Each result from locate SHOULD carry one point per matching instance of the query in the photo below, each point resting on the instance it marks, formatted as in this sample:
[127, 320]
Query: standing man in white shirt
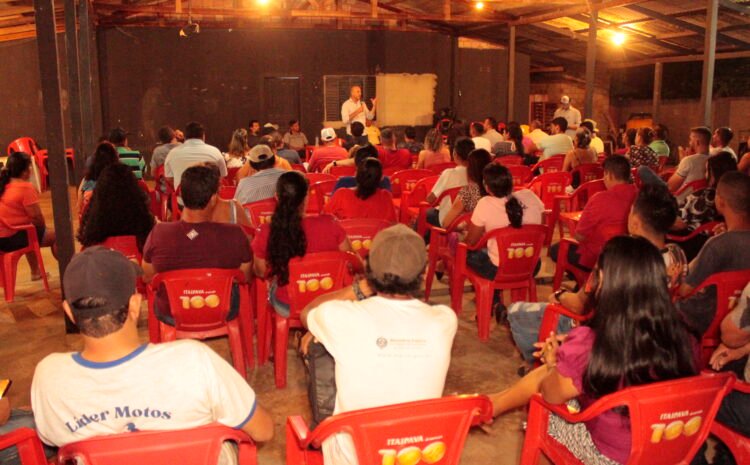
[355, 109]
[388, 346]
[193, 151]
[571, 114]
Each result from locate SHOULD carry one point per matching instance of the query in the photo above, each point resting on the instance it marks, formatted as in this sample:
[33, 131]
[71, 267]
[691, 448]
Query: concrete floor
[32, 327]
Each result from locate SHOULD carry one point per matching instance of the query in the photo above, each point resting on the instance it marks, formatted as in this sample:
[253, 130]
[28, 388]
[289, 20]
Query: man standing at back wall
[355, 109]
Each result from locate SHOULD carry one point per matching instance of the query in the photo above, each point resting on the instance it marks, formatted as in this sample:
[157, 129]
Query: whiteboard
[405, 99]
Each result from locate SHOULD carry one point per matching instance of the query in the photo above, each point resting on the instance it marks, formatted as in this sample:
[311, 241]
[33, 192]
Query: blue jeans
[282, 308]
[525, 318]
[19, 419]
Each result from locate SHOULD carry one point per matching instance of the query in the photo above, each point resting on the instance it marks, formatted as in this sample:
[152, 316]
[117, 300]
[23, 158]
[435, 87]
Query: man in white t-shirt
[558, 142]
[490, 131]
[692, 165]
[537, 133]
[116, 384]
[193, 151]
[571, 114]
[355, 109]
[720, 141]
[450, 178]
[388, 346]
[476, 130]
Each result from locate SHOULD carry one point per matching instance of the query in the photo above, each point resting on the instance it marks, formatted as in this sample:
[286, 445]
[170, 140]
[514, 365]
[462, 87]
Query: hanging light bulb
[263, 2]
[618, 38]
[479, 6]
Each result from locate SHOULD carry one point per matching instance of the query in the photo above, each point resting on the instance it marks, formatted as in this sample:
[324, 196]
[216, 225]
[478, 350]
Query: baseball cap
[271, 125]
[118, 135]
[100, 272]
[593, 123]
[398, 251]
[327, 134]
[565, 100]
[260, 153]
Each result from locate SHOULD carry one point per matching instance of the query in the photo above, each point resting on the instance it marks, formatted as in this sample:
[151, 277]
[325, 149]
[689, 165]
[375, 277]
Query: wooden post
[374, 8]
[85, 77]
[658, 72]
[74, 87]
[454, 71]
[447, 10]
[49, 70]
[591, 65]
[709, 59]
[511, 74]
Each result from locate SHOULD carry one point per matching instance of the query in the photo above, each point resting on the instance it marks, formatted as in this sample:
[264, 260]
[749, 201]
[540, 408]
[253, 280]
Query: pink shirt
[490, 214]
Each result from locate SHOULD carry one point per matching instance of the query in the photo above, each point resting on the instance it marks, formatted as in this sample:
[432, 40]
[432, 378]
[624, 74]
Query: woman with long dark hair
[368, 199]
[118, 208]
[641, 154]
[635, 337]
[104, 155]
[469, 195]
[291, 234]
[19, 205]
[236, 155]
[581, 154]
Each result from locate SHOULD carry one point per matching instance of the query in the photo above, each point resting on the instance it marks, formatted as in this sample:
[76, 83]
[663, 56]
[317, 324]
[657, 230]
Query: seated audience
[236, 155]
[558, 142]
[228, 211]
[476, 131]
[411, 144]
[724, 252]
[383, 308]
[700, 207]
[692, 165]
[105, 155]
[253, 133]
[357, 137]
[194, 150]
[372, 132]
[389, 155]
[367, 200]
[360, 155]
[295, 139]
[581, 154]
[291, 233]
[469, 195]
[326, 153]
[537, 132]
[597, 144]
[19, 205]
[609, 352]
[641, 154]
[167, 141]
[283, 153]
[628, 140]
[271, 140]
[450, 178]
[433, 152]
[659, 144]
[517, 144]
[720, 141]
[195, 241]
[610, 207]
[106, 387]
[262, 184]
[132, 158]
[119, 207]
[490, 131]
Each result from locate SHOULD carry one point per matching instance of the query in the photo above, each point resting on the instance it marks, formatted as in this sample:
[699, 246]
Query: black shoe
[500, 312]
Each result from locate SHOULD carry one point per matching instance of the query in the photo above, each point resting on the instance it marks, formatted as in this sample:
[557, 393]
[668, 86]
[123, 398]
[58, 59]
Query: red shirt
[345, 205]
[324, 155]
[323, 234]
[398, 158]
[610, 207]
[16, 197]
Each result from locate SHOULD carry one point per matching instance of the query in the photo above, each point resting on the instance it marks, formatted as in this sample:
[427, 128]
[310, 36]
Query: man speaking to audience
[355, 109]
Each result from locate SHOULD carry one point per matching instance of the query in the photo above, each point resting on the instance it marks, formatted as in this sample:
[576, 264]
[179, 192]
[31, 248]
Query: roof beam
[742, 8]
[568, 11]
[643, 37]
[678, 59]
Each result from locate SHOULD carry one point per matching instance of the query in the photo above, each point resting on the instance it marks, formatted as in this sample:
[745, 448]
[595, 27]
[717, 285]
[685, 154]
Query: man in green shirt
[659, 144]
[132, 158]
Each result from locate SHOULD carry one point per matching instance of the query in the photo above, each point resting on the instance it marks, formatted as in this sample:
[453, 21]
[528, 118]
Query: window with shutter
[336, 91]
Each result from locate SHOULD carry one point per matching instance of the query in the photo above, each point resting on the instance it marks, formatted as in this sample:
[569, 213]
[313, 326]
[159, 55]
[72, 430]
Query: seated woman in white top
[236, 156]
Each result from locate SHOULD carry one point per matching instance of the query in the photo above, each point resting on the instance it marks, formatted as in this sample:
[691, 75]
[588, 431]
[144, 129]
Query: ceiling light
[618, 38]
[263, 2]
[479, 6]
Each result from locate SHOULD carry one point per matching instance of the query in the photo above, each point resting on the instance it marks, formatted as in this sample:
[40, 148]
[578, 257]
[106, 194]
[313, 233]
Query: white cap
[565, 100]
[327, 134]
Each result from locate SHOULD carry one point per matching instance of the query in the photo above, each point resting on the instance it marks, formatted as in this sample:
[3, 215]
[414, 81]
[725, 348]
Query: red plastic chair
[174, 195]
[340, 171]
[200, 300]
[440, 167]
[309, 276]
[606, 232]
[405, 180]
[738, 444]
[299, 167]
[319, 196]
[547, 187]
[231, 177]
[704, 228]
[588, 172]
[227, 192]
[29, 447]
[312, 178]
[159, 180]
[575, 201]
[409, 204]
[691, 187]
[361, 231]
[521, 175]
[29, 146]
[551, 318]
[729, 286]
[309, 149]
[440, 251]
[153, 201]
[666, 174]
[424, 206]
[669, 420]
[260, 212]
[662, 163]
[195, 446]
[509, 160]
[437, 428]
[10, 260]
[552, 164]
[519, 251]
[126, 245]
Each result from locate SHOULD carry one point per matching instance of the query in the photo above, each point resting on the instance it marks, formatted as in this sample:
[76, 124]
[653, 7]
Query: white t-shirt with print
[450, 178]
[555, 144]
[387, 352]
[490, 214]
[481, 142]
[174, 385]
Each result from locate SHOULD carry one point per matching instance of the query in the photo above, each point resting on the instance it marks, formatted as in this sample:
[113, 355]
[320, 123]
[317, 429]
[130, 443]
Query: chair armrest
[600, 406]
[17, 436]
[300, 430]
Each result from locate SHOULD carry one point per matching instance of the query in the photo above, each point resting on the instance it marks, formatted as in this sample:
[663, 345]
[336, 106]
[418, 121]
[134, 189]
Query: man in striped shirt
[262, 184]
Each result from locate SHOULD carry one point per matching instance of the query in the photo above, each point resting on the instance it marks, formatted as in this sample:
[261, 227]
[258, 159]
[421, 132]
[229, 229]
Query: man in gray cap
[571, 114]
[117, 384]
[262, 184]
[389, 347]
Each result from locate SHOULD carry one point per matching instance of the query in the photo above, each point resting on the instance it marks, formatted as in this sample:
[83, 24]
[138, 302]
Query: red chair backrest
[361, 231]
[320, 195]
[518, 250]
[584, 192]
[200, 299]
[434, 430]
[440, 167]
[552, 164]
[227, 192]
[548, 185]
[509, 160]
[588, 172]
[666, 174]
[692, 187]
[23, 144]
[312, 178]
[520, 173]
[339, 171]
[405, 180]
[126, 245]
[231, 177]
[300, 168]
[260, 212]
[316, 274]
[195, 446]
[159, 176]
[419, 192]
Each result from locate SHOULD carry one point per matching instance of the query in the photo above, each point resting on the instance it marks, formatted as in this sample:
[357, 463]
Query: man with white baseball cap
[571, 114]
[327, 153]
[389, 347]
[262, 184]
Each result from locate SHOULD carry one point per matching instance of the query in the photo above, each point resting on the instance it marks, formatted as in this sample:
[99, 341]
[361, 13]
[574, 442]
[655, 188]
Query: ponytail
[286, 238]
[514, 210]
[17, 163]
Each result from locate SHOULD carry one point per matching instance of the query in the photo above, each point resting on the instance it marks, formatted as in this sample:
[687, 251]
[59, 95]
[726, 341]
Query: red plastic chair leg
[39, 259]
[484, 295]
[10, 264]
[236, 346]
[431, 266]
[281, 340]
[245, 318]
[260, 298]
[457, 291]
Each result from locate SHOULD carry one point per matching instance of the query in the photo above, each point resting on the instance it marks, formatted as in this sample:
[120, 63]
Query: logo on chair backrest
[676, 428]
[313, 282]
[413, 454]
[359, 242]
[520, 251]
[410, 184]
[590, 177]
[198, 298]
[555, 188]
